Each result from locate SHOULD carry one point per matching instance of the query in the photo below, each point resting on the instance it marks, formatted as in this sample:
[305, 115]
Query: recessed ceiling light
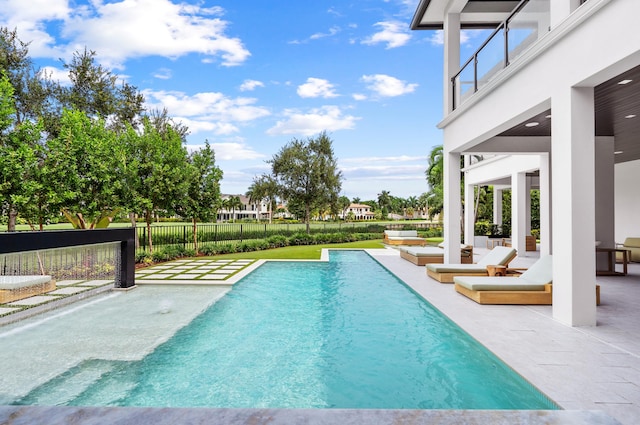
[630, 116]
[548, 116]
[618, 152]
[623, 82]
[532, 124]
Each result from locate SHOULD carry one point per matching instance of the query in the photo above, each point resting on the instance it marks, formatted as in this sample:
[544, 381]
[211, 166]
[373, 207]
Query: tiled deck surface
[581, 368]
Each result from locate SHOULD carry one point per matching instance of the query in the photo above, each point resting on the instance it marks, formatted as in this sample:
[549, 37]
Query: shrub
[482, 228]
[301, 239]
[277, 241]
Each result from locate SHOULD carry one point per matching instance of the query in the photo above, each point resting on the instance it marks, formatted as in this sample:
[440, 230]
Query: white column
[469, 213]
[451, 33]
[497, 205]
[545, 205]
[452, 206]
[605, 196]
[573, 171]
[518, 215]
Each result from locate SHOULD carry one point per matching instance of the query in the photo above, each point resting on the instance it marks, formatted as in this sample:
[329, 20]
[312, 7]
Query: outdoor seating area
[421, 256]
[14, 288]
[444, 273]
[403, 237]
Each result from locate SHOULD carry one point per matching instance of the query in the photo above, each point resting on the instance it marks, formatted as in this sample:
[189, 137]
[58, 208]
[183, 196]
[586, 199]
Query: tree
[434, 173]
[264, 187]
[203, 191]
[156, 170]
[307, 174]
[84, 149]
[18, 158]
[384, 201]
[343, 204]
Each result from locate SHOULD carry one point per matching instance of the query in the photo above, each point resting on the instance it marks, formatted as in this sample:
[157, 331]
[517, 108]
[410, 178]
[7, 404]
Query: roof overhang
[474, 14]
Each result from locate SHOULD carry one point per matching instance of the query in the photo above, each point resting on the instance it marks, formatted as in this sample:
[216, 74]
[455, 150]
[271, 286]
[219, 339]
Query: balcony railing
[524, 26]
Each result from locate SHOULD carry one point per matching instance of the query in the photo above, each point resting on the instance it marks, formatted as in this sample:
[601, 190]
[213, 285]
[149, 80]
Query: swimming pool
[343, 334]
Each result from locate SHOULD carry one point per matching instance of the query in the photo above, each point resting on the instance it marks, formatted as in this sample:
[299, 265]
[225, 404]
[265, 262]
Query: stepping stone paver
[38, 299]
[68, 282]
[69, 290]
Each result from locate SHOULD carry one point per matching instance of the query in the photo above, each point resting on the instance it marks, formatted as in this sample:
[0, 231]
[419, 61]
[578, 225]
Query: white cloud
[236, 151]
[437, 38]
[328, 118]
[125, 29]
[394, 34]
[385, 159]
[359, 96]
[332, 31]
[163, 74]
[207, 111]
[57, 74]
[316, 87]
[388, 86]
[250, 85]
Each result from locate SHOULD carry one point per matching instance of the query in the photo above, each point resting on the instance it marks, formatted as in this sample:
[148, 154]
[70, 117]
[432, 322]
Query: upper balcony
[524, 25]
[515, 25]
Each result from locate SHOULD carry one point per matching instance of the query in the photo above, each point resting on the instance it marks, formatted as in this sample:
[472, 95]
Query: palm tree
[384, 200]
[264, 187]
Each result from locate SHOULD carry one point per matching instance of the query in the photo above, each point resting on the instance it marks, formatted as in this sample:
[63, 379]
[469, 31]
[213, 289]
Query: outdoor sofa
[633, 246]
[421, 256]
[403, 237]
[13, 288]
[444, 273]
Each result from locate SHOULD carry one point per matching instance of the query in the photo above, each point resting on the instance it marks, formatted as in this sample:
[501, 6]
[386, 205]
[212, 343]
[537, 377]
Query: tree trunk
[307, 218]
[149, 218]
[195, 236]
[11, 225]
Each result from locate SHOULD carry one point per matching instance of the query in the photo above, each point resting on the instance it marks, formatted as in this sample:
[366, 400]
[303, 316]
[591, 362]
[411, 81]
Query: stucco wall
[627, 201]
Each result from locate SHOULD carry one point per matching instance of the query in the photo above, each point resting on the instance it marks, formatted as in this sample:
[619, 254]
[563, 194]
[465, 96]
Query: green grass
[307, 252]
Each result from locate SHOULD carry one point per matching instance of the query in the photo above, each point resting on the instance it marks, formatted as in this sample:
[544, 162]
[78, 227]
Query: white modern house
[247, 210]
[554, 96]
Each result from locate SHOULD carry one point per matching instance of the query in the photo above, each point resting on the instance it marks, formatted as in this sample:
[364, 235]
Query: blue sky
[249, 76]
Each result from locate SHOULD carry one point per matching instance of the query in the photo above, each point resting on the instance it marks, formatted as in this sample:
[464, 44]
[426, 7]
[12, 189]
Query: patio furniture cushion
[17, 282]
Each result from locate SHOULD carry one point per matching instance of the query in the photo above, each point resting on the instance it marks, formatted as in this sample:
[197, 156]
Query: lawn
[306, 252]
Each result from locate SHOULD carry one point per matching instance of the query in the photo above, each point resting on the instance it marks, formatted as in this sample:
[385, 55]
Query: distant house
[248, 210]
[360, 212]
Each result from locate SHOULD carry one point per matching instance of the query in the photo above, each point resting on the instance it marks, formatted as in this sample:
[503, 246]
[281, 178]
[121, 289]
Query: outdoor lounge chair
[13, 288]
[531, 287]
[444, 273]
[421, 256]
[403, 237]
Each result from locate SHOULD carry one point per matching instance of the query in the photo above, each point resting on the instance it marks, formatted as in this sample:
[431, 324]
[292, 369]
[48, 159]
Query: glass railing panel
[527, 26]
[464, 83]
[491, 58]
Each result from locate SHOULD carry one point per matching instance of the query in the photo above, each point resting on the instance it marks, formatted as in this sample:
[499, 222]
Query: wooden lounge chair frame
[514, 297]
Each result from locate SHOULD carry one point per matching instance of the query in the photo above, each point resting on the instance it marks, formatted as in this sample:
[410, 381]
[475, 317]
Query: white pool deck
[581, 368]
[593, 372]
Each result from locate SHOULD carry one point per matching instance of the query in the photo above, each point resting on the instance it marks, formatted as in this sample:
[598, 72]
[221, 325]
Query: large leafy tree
[18, 159]
[156, 170]
[203, 190]
[307, 174]
[384, 202]
[84, 149]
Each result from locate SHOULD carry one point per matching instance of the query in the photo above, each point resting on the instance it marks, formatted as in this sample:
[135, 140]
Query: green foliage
[307, 174]
[482, 228]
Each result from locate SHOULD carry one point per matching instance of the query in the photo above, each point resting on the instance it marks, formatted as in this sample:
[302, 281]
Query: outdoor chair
[444, 273]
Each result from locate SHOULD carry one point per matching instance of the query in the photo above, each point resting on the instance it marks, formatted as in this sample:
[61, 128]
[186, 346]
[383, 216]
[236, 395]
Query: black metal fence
[182, 235]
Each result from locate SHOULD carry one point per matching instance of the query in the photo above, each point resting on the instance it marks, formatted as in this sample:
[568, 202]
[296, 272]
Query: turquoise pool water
[343, 334]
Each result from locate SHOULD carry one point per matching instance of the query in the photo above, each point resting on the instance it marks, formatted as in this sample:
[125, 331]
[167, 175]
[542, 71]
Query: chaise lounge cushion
[17, 282]
[534, 279]
[500, 256]
[633, 245]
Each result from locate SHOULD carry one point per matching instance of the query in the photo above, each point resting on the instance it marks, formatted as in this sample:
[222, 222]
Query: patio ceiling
[475, 14]
[617, 110]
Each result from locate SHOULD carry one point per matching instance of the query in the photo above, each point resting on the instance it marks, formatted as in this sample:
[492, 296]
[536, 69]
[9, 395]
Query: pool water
[342, 334]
